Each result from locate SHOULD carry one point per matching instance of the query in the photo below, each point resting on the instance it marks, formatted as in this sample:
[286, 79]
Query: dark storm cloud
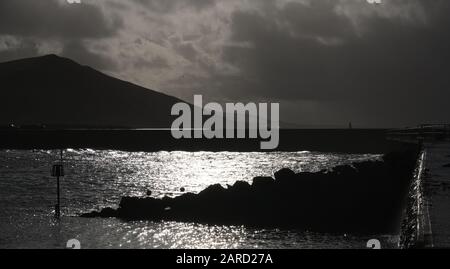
[155, 63]
[57, 26]
[330, 60]
[74, 49]
[165, 6]
[77, 50]
[26, 48]
[50, 18]
[383, 67]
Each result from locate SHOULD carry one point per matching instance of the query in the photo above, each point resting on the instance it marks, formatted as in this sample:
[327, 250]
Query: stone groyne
[364, 197]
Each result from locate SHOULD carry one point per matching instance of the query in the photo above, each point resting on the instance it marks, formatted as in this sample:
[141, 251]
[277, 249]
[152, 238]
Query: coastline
[324, 140]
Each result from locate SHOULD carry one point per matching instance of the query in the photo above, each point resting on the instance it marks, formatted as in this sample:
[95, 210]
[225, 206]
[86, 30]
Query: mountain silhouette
[56, 91]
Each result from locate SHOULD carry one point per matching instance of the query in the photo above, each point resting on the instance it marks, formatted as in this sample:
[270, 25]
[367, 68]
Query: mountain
[51, 90]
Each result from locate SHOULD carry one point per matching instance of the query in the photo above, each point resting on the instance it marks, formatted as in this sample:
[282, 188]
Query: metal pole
[58, 205]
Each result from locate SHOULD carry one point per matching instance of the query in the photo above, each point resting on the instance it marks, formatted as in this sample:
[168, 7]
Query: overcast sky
[327, 62]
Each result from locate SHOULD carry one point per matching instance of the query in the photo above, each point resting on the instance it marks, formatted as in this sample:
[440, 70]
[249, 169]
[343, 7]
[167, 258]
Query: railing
[421, 132]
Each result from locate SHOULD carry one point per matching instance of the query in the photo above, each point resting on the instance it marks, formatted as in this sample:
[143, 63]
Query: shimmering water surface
[99, 178]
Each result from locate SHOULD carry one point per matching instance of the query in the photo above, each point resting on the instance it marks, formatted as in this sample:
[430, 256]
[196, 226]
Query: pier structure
[427, 218]
[433, 224]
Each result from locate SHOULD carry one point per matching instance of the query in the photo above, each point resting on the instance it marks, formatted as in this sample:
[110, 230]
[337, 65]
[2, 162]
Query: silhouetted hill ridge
[58, 91]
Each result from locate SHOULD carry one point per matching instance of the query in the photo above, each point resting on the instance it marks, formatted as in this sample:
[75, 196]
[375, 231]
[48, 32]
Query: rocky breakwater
[364, 197]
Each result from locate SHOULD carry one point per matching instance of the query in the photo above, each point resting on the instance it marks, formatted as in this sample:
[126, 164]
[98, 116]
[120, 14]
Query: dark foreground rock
[364, 197]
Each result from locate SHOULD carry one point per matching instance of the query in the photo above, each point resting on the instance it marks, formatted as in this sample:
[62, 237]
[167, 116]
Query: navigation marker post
[58, 171]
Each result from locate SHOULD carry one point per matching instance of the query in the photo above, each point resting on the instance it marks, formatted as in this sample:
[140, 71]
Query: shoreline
[370, 141]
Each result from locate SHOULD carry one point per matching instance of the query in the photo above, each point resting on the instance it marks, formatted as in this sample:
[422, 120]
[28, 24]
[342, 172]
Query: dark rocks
[263, 183]
[284, 174]
[104, 213]
[240, 187]
[344, 169]
[212, 191]
[362, 197]
[132, 208]
[109, 212]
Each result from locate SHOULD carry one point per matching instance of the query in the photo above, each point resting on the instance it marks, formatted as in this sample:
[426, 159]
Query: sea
[95, 179]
